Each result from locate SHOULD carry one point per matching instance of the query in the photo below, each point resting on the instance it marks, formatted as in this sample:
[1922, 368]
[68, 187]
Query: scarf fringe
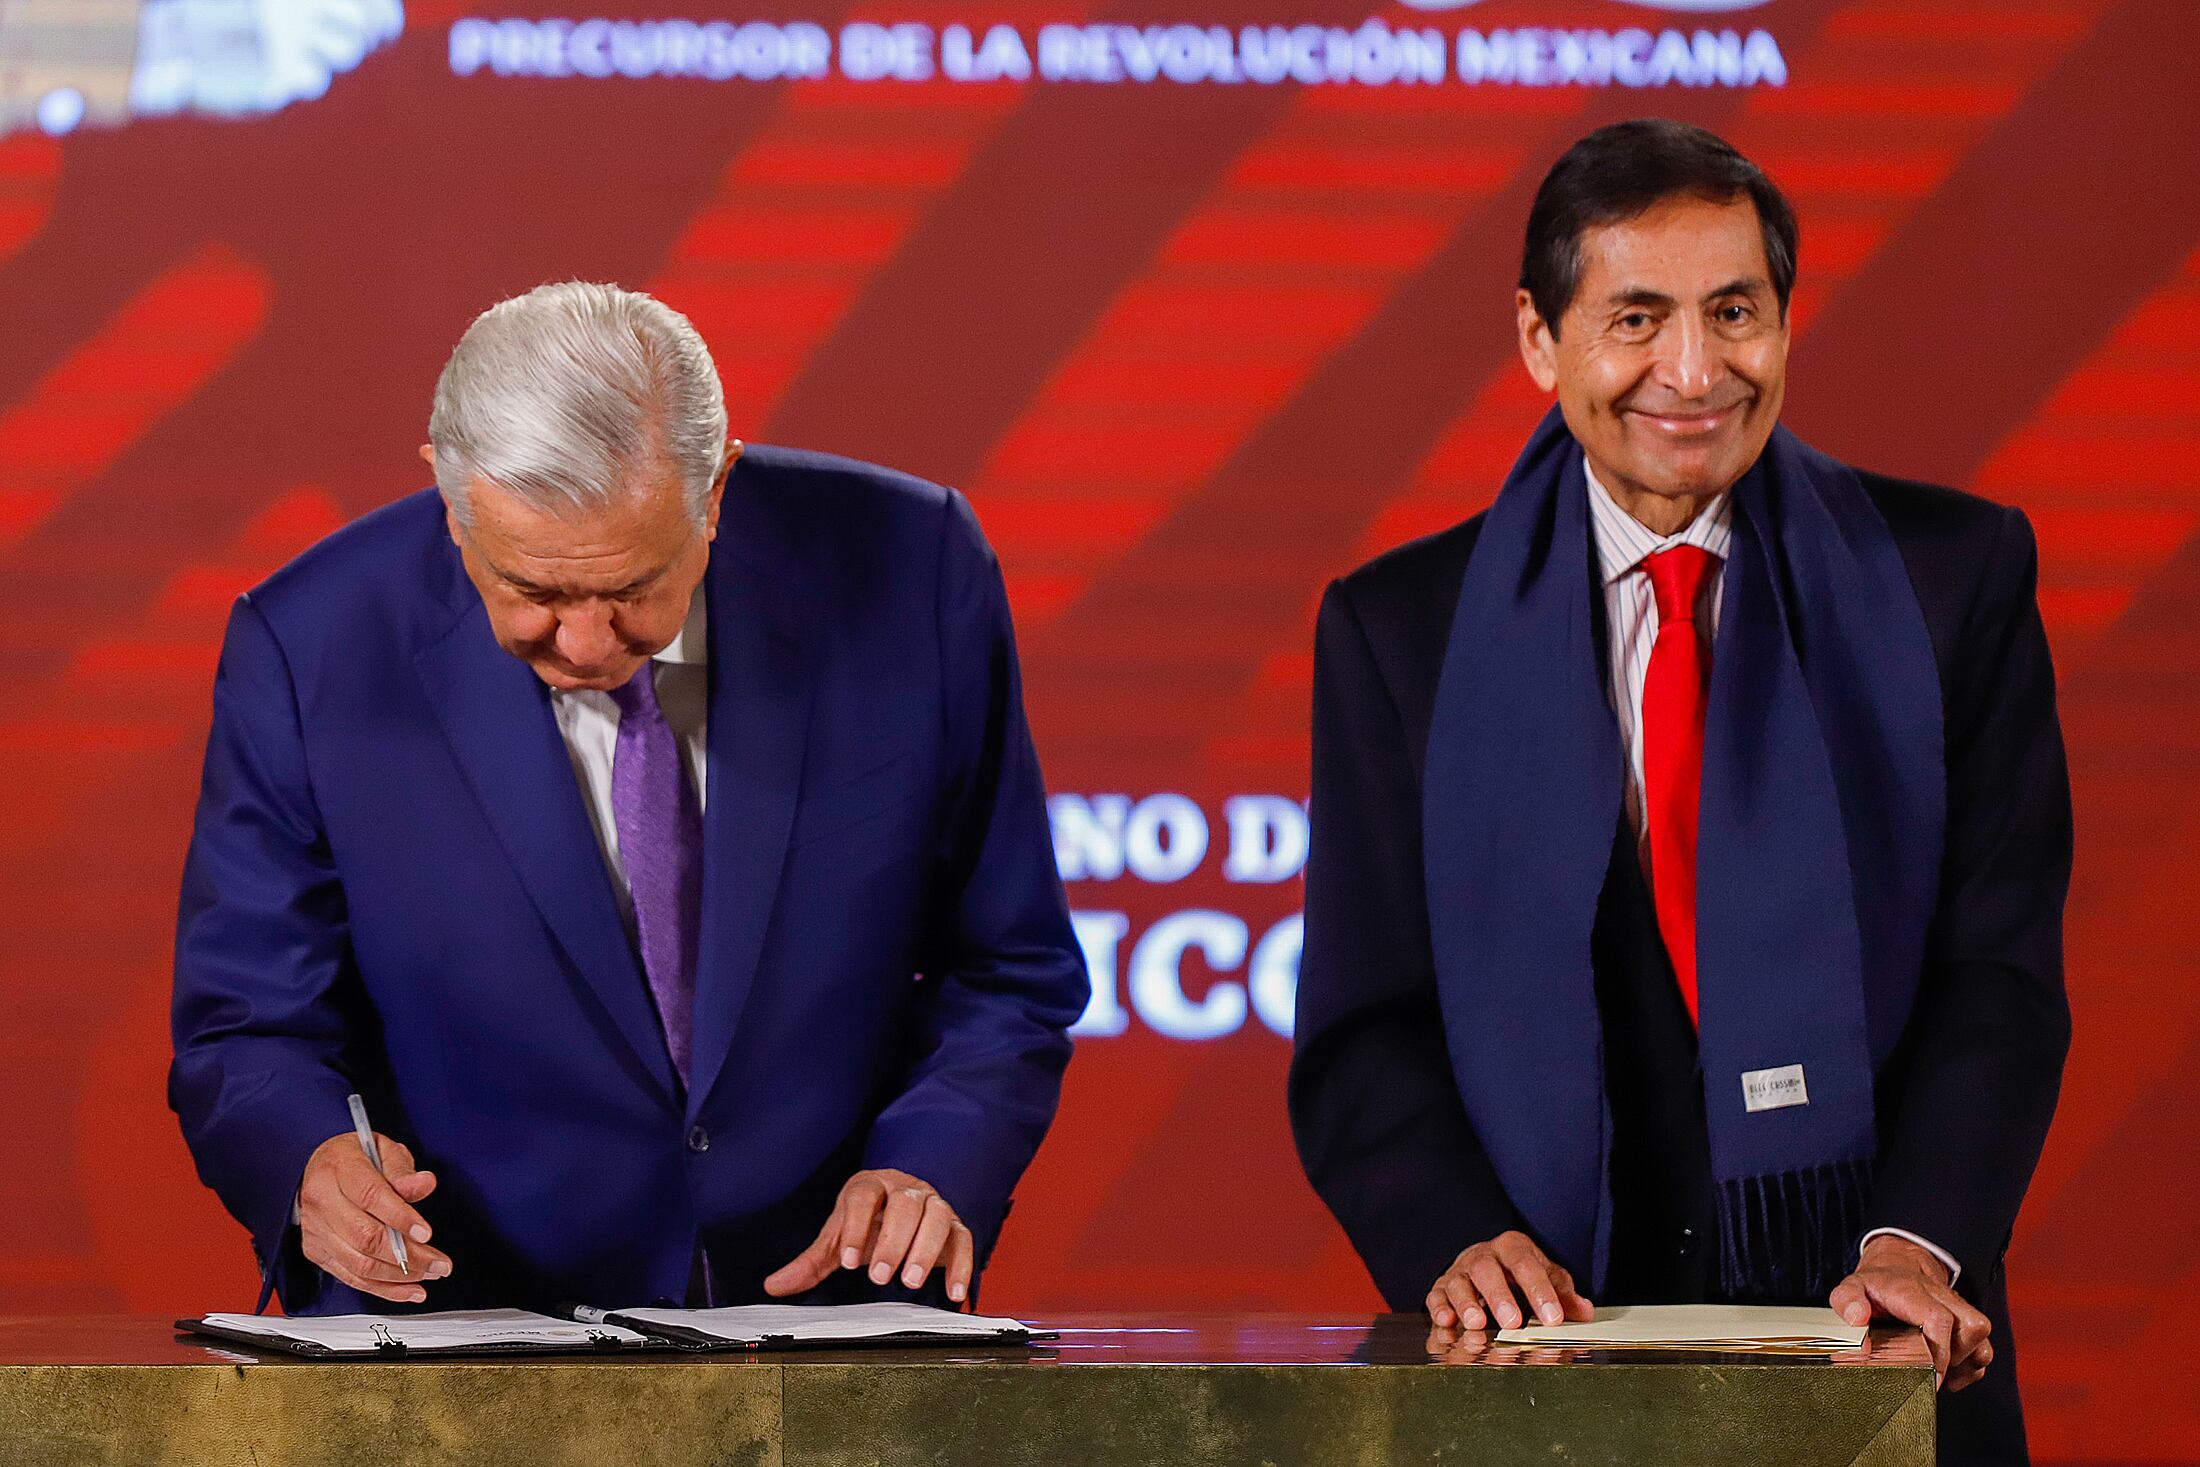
[1787, 1235]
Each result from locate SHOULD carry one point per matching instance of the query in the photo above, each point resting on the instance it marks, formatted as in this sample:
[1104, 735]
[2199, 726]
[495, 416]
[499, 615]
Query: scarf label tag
[1773, 1089]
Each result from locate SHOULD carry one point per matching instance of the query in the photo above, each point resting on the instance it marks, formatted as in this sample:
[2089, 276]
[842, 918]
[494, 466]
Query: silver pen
[373, 1149]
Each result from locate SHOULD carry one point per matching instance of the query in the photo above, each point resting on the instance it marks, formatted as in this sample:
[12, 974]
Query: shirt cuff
[1955, 1269]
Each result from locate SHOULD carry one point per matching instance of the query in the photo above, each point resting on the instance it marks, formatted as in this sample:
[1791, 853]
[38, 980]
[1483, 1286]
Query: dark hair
[1619, 172]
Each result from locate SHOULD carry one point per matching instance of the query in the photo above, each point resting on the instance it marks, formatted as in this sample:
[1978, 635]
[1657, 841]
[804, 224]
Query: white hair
[571, 396]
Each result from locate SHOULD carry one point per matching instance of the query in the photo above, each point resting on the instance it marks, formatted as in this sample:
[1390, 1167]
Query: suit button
[1688, 1242]
[698, 1139]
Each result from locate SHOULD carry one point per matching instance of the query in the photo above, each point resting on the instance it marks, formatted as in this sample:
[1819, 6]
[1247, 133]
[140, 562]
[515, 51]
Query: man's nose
[585, 635]
[1688, 364]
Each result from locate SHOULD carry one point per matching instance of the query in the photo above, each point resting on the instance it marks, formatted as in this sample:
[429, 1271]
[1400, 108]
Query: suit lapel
[497, 715]
[761, 684]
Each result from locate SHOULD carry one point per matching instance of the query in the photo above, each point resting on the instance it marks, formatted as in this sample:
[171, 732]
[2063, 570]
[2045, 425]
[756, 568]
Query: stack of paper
[761, 1326]
[458, 1331]
[1698, 1327]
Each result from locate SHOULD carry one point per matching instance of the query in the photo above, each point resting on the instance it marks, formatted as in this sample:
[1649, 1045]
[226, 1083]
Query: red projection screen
[1202, 302]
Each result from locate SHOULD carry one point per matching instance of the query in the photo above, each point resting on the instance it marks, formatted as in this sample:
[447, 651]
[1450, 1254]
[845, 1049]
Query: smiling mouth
[1699, 423]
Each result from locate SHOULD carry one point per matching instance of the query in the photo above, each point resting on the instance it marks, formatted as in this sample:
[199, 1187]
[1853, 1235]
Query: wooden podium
[1142, 1391]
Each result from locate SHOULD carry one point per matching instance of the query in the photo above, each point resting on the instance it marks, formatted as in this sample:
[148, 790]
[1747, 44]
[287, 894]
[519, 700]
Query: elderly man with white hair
[649, 831]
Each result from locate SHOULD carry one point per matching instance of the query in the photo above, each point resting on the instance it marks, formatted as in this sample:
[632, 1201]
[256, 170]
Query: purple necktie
[661, 841]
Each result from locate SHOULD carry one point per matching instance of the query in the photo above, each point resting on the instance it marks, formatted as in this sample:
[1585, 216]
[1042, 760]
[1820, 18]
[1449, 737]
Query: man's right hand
[1481, 1285]
[345, 1211]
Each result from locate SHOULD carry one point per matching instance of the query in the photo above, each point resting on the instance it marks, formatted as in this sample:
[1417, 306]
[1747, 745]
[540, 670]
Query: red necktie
[1675, 690]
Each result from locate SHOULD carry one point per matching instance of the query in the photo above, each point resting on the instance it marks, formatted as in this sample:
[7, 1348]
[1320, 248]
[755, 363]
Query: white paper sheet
[1701, 1326]
[452, 1329]
[813, 1325]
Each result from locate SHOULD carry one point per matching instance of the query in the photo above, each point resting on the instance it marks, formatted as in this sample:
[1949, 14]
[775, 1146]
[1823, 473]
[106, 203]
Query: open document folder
[506, 1331]
[1698, 1327]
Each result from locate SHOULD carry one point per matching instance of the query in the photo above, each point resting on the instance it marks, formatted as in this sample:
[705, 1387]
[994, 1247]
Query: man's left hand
[891, 1223]
[1896, 1279]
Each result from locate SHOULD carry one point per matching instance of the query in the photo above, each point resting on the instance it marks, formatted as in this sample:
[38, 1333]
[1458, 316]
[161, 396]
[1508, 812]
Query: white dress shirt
[1623, 543]
[589, 723]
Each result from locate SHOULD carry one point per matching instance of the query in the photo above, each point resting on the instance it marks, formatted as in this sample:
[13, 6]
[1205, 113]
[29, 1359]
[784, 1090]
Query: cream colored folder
[1699, 1327]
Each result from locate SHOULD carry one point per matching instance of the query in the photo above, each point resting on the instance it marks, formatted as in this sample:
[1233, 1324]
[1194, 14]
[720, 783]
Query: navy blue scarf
[1814, 891]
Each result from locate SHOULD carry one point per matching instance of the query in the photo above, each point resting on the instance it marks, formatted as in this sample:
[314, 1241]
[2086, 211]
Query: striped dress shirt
[1623, 543]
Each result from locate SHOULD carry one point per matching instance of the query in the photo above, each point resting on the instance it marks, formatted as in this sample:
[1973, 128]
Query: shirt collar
[1624, 542]
[691, 644]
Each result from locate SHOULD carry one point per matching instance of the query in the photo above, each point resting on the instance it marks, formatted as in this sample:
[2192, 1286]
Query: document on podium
[454, 1332]
[783, 1326]
[1698, 1327]
[509, 1331]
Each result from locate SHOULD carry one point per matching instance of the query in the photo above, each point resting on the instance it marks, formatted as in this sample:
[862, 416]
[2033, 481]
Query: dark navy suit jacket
[393, 887]
[1964, 1102]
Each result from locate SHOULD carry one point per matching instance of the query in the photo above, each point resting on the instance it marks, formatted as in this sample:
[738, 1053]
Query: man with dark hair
[1692, 830]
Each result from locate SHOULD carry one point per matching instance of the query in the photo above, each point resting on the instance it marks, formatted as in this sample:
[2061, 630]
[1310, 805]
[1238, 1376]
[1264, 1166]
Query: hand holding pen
[357, 1220]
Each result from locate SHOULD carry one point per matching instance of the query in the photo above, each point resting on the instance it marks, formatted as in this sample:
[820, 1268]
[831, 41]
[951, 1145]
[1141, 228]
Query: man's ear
[734, 449]
[1538, 345]
[427, 456]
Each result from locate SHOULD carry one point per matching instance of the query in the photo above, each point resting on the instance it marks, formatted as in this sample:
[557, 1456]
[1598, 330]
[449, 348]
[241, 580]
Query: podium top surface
[1164, 1390]
[1084, 1339]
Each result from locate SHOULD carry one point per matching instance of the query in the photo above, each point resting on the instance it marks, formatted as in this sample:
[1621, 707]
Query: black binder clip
[386, 1343]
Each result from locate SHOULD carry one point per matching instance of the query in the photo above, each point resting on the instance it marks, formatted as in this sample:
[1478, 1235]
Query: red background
[1191, 350]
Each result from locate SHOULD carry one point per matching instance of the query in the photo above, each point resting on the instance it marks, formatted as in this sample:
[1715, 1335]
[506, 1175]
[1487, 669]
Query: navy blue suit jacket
[393, 887]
